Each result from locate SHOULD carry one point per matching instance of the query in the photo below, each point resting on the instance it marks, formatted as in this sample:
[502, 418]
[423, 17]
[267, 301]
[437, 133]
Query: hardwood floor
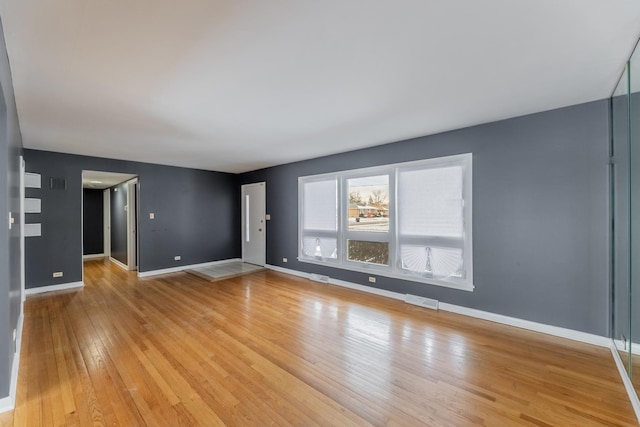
[271, 349]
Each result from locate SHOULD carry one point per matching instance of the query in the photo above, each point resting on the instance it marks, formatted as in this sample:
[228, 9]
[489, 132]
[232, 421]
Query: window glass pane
[371, 252]
[432, 261]
[320, 247]
[320, 205]
[368, 203]
[430, 202]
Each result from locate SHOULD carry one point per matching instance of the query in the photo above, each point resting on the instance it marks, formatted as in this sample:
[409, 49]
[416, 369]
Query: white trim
[106, 226]
[635, 347]
[620, 345]
[185, 267]
[344, 284]
[8, 403]
[92, 256]
[132, 225]
[82, 224]
[118, 263]
[51, 288]
[527, 324]
[633, 396]
[22, 236]
[485, 315]
[16, 360]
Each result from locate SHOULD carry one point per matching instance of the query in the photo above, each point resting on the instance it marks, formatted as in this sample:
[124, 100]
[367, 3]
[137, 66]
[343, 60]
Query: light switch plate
[152, 215]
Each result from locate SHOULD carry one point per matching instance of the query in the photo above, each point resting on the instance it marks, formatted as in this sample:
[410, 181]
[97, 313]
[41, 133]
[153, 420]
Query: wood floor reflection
[271, 349]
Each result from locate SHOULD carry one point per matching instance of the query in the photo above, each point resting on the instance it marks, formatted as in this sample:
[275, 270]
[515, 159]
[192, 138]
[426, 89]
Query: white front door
[254, 229]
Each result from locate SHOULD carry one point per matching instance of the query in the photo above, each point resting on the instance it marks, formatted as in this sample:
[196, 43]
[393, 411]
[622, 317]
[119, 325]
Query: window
[409, 220]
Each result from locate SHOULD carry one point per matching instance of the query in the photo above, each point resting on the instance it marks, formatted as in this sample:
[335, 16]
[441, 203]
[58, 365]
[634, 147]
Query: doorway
[253, 223]
[110, 218]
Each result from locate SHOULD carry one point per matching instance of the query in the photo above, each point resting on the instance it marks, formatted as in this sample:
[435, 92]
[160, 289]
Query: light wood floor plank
[271, 349]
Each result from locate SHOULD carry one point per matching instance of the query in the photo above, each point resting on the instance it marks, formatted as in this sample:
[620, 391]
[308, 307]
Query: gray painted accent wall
[540, 212]
[197, 216]
[10, 151]
[119, 221]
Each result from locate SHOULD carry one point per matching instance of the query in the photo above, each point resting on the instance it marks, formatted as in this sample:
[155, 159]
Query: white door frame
[246, 226]
[23, 295]
[106, 222]
[132, 225]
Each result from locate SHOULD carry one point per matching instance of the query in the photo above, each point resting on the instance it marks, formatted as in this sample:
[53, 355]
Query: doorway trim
[106, 222]
[132, 224]
[105, 181]
[23, 295]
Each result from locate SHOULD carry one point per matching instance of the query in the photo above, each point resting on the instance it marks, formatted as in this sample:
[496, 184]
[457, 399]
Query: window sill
[374, 271]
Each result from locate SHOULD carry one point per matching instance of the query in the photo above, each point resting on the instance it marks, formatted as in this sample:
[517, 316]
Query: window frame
[394, 269]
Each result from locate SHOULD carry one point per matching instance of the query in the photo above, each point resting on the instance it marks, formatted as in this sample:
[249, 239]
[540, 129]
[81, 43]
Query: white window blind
[430, 202]
[319, 238]
[321, 205]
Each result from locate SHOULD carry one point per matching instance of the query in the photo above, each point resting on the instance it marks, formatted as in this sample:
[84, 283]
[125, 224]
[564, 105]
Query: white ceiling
[239, 85]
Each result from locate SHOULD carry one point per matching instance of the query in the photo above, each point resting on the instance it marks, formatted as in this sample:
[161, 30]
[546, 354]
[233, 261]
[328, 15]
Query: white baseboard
[527, 324]
[620, 345]
[51, 288]
[118, 263]
[631, 391]
[185, 267]
[92, 256]
[485, 315]
[344, 284]
[8, 403]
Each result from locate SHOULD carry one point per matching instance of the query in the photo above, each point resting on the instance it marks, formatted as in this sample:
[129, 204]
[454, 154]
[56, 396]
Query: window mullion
[342, 214]
[393, 222]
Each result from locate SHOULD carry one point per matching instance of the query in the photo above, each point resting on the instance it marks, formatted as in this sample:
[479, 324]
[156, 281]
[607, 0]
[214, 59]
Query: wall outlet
[177, 258]
[58, 274]
[372, 279]
[285, 260]
[152, 215]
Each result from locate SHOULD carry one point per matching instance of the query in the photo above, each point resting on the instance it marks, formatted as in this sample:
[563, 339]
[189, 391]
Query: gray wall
[119, 247]
[196, 216]
[10, 151]
[540, 209]
[92, 221]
